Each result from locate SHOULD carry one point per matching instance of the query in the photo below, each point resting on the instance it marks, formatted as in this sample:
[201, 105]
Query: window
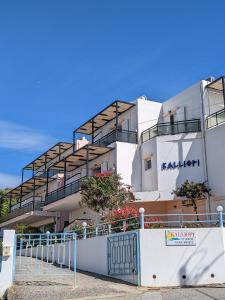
[148, 164]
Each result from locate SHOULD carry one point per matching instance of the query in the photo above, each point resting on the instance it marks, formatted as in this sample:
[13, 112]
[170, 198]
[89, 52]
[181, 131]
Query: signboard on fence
[179, 237]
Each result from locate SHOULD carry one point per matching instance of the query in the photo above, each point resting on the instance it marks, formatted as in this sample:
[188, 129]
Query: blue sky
[62, 61]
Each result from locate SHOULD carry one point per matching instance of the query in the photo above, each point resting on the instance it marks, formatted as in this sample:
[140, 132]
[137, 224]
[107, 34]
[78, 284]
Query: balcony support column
[223, 83]
[47, 182]
[60, 152]
[74, 140]
[21, 189]
[87, 161]
[116, 115]
[33, 189]
[65, 171]
[45, 162]
[92, 131]
[10, 202]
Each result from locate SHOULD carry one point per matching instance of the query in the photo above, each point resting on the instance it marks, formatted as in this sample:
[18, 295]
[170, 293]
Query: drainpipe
[204, 145]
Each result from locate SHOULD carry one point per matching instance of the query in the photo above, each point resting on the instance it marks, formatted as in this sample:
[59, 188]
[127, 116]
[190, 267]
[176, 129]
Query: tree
[105, 193]
[4, 202]
[24, 229]
[192, 192]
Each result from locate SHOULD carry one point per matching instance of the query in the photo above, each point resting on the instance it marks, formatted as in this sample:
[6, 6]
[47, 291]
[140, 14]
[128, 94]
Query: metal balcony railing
[69, 189]
[215, 118]
[171, 128]
[16, 210]
[117, 136]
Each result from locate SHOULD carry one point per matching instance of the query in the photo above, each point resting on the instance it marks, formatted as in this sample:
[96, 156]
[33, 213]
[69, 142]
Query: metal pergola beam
[223, 91]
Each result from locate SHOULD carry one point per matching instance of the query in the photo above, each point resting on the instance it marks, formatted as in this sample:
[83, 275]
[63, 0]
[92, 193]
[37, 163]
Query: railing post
[84, 225]
[48, 235]
[181, 221]
[142, 217]
[124, 225]
[109, 228]
[220, 211]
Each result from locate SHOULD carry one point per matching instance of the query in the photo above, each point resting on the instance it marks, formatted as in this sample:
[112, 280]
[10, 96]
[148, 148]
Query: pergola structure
[76, 159]
[218, 85]
[55, 151]
[106, 115]
[36, 181]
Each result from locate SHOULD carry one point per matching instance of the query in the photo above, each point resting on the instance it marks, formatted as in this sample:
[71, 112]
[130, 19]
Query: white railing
[152, 221]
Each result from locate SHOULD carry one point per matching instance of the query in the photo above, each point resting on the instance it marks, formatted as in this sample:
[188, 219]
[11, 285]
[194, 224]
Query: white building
[154, 146]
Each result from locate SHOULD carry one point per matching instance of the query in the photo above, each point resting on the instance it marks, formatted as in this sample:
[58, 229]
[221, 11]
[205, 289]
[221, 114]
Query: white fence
[164, 262]
[165, 257]
[170, 264]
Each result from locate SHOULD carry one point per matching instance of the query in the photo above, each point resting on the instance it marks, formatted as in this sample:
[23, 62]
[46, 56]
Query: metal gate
[123, 254]
[46, 257]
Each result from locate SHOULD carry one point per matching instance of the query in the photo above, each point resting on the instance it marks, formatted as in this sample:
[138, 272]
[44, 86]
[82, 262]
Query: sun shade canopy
[28, 186]
[49, 155]
[217, 84]
[107, 114]
[81, 156]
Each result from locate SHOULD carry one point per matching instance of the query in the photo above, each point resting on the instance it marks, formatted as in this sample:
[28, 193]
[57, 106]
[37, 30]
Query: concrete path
[60, 286]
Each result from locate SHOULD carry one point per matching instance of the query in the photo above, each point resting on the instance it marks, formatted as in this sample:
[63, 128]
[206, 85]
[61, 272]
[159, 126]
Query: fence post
[109, 228]
[220, 211]
[84, 224]
[96, 230]
[48, 235]
[142, 217]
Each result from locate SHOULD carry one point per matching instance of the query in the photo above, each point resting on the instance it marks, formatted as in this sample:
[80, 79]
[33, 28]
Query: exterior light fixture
[219, 208]
[141, 210]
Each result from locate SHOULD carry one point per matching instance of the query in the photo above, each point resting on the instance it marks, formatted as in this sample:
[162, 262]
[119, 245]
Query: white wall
[171, 148]
[8, 263]
[125, 153]
[92, 257]
[170, 263]
[215, 145]
[181, 147]
[148, 114]
[188, 103]
[150, 176]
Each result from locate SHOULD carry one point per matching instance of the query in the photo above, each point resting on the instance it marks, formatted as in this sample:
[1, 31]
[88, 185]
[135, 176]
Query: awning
[107, 114]
[217, 84]
[27, 186]
[80, 156]
[49, 155]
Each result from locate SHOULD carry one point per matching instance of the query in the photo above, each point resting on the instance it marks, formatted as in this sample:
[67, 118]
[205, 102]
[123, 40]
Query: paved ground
[91, 286]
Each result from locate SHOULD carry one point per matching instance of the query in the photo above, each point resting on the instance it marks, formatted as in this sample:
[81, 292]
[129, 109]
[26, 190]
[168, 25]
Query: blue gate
[41, 257]
[123, 257]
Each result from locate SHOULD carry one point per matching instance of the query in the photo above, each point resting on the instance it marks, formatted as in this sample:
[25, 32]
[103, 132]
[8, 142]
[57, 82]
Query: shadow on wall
[194, 153]
[136, 176]
[192, 277]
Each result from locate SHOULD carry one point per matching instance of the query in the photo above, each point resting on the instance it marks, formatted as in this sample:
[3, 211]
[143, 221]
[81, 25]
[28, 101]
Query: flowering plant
[124, 219]
[154, 222]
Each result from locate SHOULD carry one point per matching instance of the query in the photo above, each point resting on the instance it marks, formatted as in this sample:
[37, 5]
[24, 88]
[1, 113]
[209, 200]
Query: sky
[61, 61]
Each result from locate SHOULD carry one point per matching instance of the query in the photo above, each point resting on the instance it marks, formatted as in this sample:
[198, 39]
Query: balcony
[69, 189]
[117, 136]
[171, 129]
[215, 119]
[23, 208]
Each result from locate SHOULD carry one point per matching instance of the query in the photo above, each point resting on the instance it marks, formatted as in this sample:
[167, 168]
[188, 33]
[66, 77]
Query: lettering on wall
[180, 164]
